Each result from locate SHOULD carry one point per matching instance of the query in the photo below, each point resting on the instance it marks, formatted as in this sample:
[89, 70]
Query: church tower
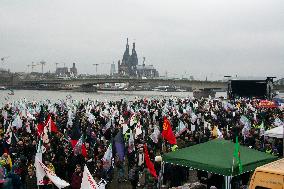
[133, 57]
[129, 63]
[126, 54]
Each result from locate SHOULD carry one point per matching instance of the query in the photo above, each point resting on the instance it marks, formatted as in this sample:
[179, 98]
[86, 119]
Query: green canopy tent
[216, 156]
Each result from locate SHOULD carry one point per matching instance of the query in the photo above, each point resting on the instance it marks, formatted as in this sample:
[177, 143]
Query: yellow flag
[10, 161]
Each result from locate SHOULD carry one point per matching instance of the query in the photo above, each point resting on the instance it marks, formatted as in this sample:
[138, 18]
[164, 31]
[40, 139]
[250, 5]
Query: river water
[35, 95]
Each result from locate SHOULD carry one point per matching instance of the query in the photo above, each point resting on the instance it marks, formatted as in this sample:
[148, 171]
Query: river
[35, 95]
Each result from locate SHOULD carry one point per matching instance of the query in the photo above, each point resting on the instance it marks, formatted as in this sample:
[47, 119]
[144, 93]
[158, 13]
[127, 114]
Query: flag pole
[283, 140]
[161, 176]
[228, 182]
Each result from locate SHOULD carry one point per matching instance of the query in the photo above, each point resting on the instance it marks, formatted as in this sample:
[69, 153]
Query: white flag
[246, 122]
[181, 128]
[108, 154]
[88, 181]
[40, 173]
[17, 122]
[42, 170]
[192, 127]
[220, 135]
[5, 114]
[138, 130]
[262, 130]
[108, 125]
[278, 122]
[193, 118]
[91, 118]
[131, 146]
[133, 120]
[124, 128]
[155, 135]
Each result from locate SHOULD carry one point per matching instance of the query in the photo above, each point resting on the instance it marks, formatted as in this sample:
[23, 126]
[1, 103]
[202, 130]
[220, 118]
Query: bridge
[193, 84]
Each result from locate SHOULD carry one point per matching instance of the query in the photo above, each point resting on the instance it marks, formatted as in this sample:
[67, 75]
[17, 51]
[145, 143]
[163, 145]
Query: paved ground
[127, 185]
[116, 185]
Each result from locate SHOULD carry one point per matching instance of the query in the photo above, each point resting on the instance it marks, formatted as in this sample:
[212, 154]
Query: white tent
[276, 132]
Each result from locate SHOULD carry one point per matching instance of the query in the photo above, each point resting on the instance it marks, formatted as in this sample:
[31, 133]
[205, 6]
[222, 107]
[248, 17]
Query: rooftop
[276, 166]
[146, 67]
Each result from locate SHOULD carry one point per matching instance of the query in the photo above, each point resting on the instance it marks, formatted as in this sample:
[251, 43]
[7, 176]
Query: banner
[42, 170]
[88, 181]
[40, 173]
[267, 104]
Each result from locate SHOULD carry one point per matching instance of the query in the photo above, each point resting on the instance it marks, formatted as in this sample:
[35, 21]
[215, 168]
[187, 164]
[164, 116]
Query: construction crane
[32, 66]
[42, 64]
[98, 65]
[56, 65]
[96, 68]
[4, 58]
[28, 67]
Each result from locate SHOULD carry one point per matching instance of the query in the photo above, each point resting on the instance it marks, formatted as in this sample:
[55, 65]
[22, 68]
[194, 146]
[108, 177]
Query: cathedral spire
[126, 54]
[133, 49]
[127, 46]
[133, 57]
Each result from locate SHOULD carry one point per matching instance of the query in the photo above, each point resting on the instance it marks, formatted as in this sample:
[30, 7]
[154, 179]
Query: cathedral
[129, 65]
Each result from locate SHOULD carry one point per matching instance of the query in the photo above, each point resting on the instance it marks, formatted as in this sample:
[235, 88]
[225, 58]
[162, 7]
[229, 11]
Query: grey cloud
[205, 37]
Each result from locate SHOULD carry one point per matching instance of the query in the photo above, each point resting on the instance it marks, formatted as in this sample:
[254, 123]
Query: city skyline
[200, 38]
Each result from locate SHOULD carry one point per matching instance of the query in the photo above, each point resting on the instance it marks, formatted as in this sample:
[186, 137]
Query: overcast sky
[185, 37]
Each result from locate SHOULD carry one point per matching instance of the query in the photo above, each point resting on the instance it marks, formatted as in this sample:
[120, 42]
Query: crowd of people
[113, 136]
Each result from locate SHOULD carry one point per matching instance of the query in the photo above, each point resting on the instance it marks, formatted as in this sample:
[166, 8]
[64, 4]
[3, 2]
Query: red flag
[149, 163]
[168, 132]
[79, 146]
[73, 143]
[50, 125]
[84, 150]
[40, 128]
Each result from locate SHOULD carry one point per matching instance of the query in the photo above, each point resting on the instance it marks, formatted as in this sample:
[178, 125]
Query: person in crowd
[15, 179]
[121, 170]
[77, 178]
[31, 181]
[81, 132]
[133, 176]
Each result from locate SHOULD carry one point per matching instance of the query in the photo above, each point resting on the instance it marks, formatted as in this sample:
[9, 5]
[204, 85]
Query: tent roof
[216, 156]
[275, 132]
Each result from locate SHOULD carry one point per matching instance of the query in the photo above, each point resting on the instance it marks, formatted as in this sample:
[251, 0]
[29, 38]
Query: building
[112, 69]
[64, 71]
[280, 82]
[129, 65]
[147, 71]
[73, 70]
